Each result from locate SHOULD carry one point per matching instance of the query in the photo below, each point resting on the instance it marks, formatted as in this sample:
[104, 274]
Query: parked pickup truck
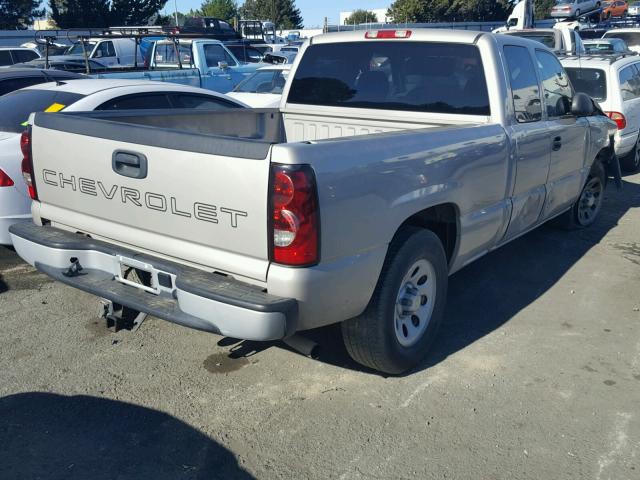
[200, 63]
[396, 158]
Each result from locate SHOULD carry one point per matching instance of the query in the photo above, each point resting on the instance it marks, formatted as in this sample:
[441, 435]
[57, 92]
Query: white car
[78, 96]
[614, 82]
[631, 36]
[12, 55]
[263, 89]
[573, 8]
[634, 9]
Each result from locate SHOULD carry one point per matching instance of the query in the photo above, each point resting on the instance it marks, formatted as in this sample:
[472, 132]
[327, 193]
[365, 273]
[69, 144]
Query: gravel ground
[536, 375]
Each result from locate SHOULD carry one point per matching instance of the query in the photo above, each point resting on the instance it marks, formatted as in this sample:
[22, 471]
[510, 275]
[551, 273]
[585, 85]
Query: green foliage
[361, 16]
[103, 13]
[18, 14]
[543, 8]
[283, 13]
[410, 11]
[223, 9]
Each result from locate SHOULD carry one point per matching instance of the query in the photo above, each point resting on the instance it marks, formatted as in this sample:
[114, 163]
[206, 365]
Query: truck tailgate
[197, 198]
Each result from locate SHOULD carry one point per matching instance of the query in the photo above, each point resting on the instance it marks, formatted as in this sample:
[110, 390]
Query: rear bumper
[193, 298]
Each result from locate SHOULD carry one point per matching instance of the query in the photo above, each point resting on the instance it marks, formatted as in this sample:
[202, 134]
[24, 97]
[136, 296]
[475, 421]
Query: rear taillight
[5, 180]
[27, 164]
[295, 220]
[617, 117]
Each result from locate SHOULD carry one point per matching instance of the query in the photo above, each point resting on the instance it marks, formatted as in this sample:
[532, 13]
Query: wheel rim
[590, 201]
[415, 302]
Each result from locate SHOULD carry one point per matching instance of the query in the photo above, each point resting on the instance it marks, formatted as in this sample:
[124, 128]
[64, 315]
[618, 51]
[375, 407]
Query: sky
[313, 11]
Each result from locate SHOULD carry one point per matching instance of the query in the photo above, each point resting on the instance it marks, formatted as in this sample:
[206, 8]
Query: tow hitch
[119, 316]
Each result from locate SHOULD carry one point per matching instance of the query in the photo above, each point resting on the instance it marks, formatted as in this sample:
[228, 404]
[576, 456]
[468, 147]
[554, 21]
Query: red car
[617, 8]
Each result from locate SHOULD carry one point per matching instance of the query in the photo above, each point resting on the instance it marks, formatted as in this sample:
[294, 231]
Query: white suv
[614, 82]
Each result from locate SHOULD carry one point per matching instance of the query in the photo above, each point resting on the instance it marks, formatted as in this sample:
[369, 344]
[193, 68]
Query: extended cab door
[530, 133]
[568, 137]
[218, 67]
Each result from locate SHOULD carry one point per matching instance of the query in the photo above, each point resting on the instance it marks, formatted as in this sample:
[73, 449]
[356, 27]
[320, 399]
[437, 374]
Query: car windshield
[76, 48]
[598, 47]
[547, 39]
[264, 81]
[635, 4]
[15, 107]
[564, 2]
[630, 38]
[591, 81]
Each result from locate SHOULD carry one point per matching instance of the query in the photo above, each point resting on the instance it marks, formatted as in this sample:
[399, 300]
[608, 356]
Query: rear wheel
[577, 14]
[631, 162]
[584, 212]
[396, 330]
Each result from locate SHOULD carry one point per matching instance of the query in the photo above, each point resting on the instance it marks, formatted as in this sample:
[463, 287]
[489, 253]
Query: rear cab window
[165, 54]
[15, 107]
[429, 77]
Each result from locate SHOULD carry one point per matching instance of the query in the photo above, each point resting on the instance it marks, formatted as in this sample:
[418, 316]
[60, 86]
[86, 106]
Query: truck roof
[417, 34]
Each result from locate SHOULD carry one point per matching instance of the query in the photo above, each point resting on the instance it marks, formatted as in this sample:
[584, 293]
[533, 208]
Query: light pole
[175, 8]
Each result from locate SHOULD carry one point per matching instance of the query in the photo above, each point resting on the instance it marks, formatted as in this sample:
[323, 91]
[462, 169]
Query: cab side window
[524, 84]
[556, 85]
[105, 49]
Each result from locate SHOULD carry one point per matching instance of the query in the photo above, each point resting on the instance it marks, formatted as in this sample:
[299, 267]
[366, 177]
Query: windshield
[598, 47]
[16, 107]
[564, 2]
[630, 38]
[265, 81]
[407, 76]
[591, 81]
[547, 39]
[76, 48]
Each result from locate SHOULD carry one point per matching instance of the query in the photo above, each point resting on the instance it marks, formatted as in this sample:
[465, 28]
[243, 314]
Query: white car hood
[257, 100]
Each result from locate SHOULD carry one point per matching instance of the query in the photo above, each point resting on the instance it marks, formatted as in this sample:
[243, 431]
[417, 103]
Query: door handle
[557, 144]
[129, 164]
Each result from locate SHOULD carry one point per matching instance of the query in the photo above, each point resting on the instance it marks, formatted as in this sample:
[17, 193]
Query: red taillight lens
[387, 34]
[27, 164]
[295, 222]
[5, 180]
[617, 117]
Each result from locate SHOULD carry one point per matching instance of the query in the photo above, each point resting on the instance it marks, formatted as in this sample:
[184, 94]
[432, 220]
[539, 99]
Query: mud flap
[612, 165]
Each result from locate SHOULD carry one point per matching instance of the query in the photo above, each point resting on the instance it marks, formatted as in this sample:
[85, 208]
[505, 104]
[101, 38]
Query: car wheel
[400, 323]
[585, 210]
[577, 14]
[631, 162]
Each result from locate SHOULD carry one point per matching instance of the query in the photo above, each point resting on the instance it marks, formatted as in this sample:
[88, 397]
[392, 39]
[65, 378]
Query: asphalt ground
[535, 375]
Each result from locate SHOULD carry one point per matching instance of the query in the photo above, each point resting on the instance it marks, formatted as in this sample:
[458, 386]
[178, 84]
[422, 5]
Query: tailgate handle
[129, 164]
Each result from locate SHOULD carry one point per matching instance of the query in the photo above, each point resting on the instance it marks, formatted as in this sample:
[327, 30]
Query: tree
[361, 16]
[543, 8]
[170, 19]
[18, 14]
[407, 11]
[134, 12]
[223, 9]
[103, 13]
[283, 13]
[80, 13]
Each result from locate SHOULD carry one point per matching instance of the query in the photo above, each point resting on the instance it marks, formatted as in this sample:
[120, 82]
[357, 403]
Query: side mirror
[582, 105]
[223, 65]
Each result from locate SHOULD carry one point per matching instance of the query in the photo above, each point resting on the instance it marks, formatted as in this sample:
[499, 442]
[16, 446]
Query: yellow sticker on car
[55, 107]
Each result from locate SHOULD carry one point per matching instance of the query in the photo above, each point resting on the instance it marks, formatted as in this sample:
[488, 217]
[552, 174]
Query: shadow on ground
[490, 291]
[43, 435]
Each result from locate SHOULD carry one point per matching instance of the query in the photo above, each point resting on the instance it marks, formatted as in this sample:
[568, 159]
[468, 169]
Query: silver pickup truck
[396, 158]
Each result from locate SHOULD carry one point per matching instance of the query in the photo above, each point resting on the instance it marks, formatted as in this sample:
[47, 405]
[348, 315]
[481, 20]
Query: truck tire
[631, 162]
[401, 321]
[585, 210]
